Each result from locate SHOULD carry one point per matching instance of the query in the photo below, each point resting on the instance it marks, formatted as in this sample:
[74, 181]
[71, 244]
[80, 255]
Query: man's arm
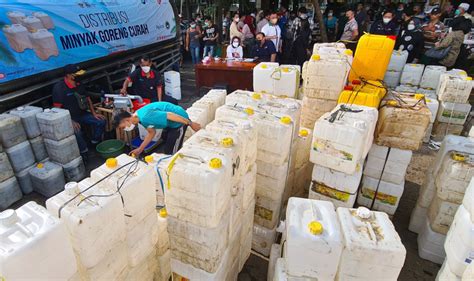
[92, 109]
[355, 33]
[176, 118]
[125, 84]
[149, 137]
[159, 92]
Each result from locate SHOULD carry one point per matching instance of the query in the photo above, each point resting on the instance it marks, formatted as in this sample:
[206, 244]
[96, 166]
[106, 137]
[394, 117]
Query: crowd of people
[418, 30]
[264, 36]
[249, 34]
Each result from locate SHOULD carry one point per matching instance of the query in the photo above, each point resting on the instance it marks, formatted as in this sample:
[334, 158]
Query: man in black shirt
[146, 83]
[211, 35]
[386, 26]
[70, 94]
[265, 50]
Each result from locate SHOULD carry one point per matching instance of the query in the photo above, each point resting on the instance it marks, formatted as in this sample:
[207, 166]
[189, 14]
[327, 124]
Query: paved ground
[255, 269]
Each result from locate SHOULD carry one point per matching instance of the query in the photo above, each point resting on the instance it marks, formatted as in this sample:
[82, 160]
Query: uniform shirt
[145, 86]
[272, 30]
[264, 53]
[380, 28]
[348, 29]
[63, 96]
[155, 115]
[210, 32]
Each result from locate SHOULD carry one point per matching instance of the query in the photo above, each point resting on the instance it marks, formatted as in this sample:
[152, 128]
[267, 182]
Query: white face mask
[130, 127]
[386, 20]
[236, 19]
[411, 26]
[329, 14]
[304, 16]
[235, 44]
[146, 69]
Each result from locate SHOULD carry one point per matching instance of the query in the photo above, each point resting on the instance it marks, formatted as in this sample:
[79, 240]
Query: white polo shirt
[272, 30]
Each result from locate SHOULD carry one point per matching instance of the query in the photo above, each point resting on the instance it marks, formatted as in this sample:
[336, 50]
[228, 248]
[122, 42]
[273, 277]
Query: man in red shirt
[70, 94]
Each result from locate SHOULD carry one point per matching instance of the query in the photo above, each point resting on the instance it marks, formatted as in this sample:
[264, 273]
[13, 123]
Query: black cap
[435, 11]
[73, 69]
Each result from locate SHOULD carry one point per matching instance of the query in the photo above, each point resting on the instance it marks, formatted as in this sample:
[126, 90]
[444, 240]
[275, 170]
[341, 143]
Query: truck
[105, 37]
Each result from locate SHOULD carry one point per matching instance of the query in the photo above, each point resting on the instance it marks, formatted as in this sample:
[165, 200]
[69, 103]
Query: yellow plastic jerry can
[368, 93]
[372, 57]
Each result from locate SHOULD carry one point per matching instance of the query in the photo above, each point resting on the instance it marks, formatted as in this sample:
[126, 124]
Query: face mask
[146, 69]
[400, 9]
[457, 12]
[130, 127]
[303, 16]
[236, 19]
[193, 26]
[329, 14]
[411, 26]
[386, 20]
[235, 44]
[206, 24]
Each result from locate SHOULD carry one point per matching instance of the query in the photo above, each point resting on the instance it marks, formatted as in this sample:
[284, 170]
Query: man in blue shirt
[158, 115]
[265, 50]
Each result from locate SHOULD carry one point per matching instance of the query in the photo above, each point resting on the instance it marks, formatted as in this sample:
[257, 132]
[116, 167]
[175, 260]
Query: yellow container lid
[227, 142]
[215, 163]
[40, 165]
[163, 213]
[111, 163]
[249, 111]
[256, 96]
[149, 159]
[285, 120]
[315, 228]
[303, 133]
[315, 57]
[458, 157]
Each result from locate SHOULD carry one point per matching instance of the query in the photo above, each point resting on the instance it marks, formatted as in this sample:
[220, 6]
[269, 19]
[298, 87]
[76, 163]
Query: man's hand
[136, 152]
[99, 116]
[187, 49]
[195, 126]
[437, 44]
[76, 126]
[123, 91]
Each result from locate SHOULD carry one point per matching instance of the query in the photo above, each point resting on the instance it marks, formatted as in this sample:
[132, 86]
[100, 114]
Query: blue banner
[41, 35]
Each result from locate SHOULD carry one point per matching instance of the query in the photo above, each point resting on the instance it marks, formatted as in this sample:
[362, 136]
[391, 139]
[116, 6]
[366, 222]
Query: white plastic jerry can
[372, 248]
[412, 73]
[453, 88]
[198, 185]
[243, 132]
[459, 244]
[454, 176]
[262, 77]
[397, 60]
[313, 239]
[45, 19]
[26, 235]
[134, 181]
[286, 81]
[94, 220]
[222, 143]
[431, 75]
[339, 144]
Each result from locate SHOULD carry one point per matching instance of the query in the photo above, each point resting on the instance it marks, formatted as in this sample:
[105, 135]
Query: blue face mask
[457, 12]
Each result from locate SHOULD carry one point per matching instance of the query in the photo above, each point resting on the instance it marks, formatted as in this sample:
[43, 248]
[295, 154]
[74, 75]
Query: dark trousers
[98, 126]
[173, 139]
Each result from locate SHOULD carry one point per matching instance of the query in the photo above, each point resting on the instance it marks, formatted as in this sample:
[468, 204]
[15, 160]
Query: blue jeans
[195, 54]
[98, 125]
[209, 50]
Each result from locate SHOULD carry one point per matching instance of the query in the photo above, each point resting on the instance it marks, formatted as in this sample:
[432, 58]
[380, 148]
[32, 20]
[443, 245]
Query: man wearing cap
[461, 11]
[433, 30]
[70, 94]
[146, 83]
[158, 115]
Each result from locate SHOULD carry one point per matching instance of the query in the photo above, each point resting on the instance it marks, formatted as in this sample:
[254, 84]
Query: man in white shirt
[273, 32]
